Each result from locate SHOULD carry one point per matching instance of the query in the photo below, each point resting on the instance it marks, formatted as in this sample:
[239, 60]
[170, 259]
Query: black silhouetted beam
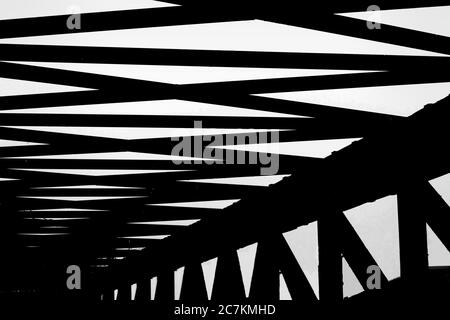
[365, 171]
[228, 285]
[437, 214]
[265, 283]
[296, 281]
[165, 287]
[193, 288]
[143, 290]
[330, 259]
[412, 208]
[357, 255]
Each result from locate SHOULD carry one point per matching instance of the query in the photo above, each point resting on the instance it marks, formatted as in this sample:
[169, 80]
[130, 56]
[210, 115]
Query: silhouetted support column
[357, 255]
[438, 215]
[124, 293]
[143, 290]
[413, 233]
[265, 284]
[108, 294]
[165, 289]
[228, 285]
[296, 281]
[193, 288]
[330, 259]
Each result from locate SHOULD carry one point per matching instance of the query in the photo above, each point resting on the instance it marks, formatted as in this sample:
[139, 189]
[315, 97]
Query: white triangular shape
[63, 210]
[351, 284]
[442, 186]
[13, 87]
[126, 155]
[153, 284]
[96, 172]
[376, 224]
[186, 74]
[158, 237]
[313, 149]
[179, 273]
[133, 291]
[169, 107]
[58, 219]
[209, 273]
[43, 234]
[116, 293]
[399, 100]
[6, 179]
[438, 254]
[304, 244]
[12, 143]
[247, 257]
[30, 8]
[131, 249]
[428, 19]
[250, 35]
[285, 295]
[132, 133]
[88, 187]
[183, 223]
[257, 181]
[90, 198]
[211, 204]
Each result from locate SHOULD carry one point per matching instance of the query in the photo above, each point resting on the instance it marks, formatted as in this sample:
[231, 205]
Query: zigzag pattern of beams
[89, 118]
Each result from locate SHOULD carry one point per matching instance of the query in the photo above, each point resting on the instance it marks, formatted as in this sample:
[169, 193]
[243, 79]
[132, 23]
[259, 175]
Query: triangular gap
[351, 285]
[442, 186]
[133, 291]
[63, 210]
[89, 198]
[13, 87]
[96, 172]
[185, 223]
[153, 284]
[304, 244]
[118, 156]
[20, 9]
[210, 204]
[128, 133]
[404, 100]
[209, 271]
[101, 187]
[438, 255]
[285, 295]
[13, 143]
[257, 181]
[376, 224]
[249, 35]
[186, 74]
[433, 20]
[57, 219]
[178, 282]
[152, 237]
[168, 107]
[313, 149]
[7, 179]
[247, 257]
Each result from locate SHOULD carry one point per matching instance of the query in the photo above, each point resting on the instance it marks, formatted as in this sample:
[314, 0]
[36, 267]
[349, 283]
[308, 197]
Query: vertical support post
[330, 259]
[412, 233]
